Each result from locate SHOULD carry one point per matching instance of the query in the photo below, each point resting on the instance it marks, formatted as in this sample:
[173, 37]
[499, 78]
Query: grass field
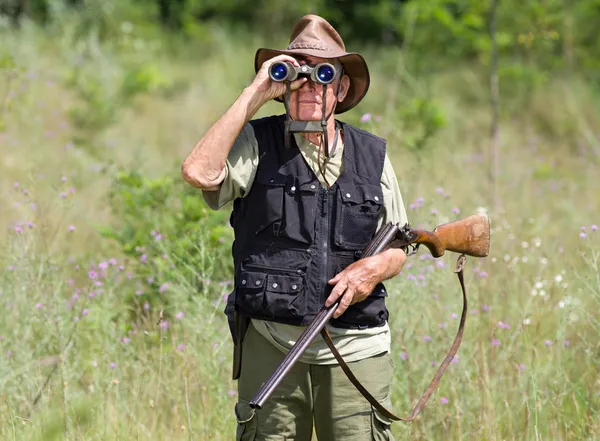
[72, 367]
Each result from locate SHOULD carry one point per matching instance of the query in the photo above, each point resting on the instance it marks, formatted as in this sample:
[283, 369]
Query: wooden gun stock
[470, 236]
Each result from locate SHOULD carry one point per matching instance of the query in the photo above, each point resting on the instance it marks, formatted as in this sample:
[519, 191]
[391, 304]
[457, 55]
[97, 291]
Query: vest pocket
[272, 296]
[356, 215]
[300, 210]
[250, 291]
[267, 204]
[284, 297]
[285, 206]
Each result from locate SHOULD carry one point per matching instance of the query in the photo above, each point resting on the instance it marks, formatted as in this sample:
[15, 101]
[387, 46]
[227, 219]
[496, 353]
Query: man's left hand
[359, 279]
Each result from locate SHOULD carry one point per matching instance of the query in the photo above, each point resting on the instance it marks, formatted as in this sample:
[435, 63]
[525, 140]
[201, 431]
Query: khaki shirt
[241, 165]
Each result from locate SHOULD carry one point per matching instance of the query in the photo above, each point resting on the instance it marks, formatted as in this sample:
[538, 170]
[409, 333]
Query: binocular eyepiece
[322, 73]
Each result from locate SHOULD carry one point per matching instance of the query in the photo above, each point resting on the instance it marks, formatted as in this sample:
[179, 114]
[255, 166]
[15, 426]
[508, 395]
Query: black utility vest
[292, 234]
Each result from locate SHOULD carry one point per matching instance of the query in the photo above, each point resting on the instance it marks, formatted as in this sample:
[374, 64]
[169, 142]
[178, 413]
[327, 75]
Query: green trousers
[317, 398]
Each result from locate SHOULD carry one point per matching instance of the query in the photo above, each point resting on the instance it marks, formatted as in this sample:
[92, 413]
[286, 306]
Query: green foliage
[424, 118]
[165, 225]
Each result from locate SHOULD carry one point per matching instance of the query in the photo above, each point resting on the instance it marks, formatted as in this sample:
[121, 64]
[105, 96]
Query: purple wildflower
[594, 227]
[582, 235]
[503, 325]
[71, 228]
[427, 338]
[163, 287]
[403, 355]
[93, 275]
[495, 342]
[181, 347]
[164, 324]
[144, 258]
[179, 315]
[103, 265]
[231, 393]
[365, 118]
[548, 342]
[85, 312]
[39, 306]
[443, 400]
[113, 365]
[456, 210]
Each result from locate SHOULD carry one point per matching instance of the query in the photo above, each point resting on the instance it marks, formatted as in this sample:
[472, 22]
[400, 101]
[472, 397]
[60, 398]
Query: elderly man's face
[306, 102]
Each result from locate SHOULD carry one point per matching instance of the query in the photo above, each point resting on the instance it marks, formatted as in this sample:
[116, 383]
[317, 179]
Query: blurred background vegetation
[114, 272]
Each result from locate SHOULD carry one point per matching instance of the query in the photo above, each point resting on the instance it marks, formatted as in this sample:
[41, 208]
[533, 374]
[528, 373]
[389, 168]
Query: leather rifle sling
[460, 263]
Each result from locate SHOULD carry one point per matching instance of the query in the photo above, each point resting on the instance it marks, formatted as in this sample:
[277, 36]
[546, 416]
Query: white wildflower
[558, 278]
[524, 244]
[527, 321]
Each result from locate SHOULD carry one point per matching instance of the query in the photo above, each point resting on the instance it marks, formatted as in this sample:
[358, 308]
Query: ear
[344, 86]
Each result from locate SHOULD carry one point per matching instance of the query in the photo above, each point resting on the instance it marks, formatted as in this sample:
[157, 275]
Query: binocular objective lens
[279, 71]
[326, 74]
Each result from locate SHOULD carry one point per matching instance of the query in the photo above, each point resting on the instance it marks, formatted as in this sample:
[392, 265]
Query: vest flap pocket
[285, 298]
[251, 280]
[309, 187]
[353, 194]
[290, 284]
[357, 213]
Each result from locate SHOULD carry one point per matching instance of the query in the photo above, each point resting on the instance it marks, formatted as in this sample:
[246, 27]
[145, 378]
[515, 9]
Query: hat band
[316, 46]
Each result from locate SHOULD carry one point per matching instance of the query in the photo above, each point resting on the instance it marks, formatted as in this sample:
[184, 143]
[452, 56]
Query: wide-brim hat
[314, 36]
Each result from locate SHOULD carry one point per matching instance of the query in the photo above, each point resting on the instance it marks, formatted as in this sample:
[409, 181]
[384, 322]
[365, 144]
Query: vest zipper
[324, 240]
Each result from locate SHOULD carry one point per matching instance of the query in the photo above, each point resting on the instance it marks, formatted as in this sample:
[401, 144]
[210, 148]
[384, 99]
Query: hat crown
[314, 32]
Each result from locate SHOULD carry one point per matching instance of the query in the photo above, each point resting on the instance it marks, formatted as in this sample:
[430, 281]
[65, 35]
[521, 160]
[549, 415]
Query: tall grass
[72, 366]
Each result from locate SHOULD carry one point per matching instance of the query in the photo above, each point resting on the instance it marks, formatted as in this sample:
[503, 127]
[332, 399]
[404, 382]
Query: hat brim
[354, 64]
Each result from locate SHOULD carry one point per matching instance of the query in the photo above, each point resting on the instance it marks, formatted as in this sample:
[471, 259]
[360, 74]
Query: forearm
[204, 167]
[390, 263]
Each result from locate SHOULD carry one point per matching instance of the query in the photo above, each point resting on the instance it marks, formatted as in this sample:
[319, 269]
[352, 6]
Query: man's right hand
[268, 89]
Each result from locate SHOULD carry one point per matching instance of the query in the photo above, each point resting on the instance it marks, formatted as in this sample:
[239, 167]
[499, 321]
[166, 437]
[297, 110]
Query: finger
[345, 301]
[282, 57]
[297, 84]
[335, 279]
[337, 291]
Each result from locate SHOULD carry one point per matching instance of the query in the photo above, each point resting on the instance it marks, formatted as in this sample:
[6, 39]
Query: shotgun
[468, 236]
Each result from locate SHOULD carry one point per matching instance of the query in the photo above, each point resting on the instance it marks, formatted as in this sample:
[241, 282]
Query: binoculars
[322, 73]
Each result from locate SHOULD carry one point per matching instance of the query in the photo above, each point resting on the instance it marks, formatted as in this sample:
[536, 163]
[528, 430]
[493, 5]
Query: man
[301, 216]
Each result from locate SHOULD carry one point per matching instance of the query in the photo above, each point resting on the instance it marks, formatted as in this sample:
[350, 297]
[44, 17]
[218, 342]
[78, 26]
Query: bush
[176, 239]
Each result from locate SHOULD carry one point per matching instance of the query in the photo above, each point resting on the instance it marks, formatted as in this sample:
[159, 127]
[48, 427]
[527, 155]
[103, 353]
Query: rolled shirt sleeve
[240, 170]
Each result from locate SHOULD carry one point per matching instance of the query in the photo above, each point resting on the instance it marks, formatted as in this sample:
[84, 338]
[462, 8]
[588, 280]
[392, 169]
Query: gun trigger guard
[415, 248]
